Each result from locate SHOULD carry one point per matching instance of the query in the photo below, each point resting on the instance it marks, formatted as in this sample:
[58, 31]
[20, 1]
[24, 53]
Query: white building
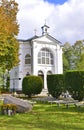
[38, 56]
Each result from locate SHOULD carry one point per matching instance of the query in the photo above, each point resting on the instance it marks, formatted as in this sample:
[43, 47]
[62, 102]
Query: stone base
[43, 93]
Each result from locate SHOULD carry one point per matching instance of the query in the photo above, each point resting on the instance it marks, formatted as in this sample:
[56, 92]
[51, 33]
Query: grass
[45, 117]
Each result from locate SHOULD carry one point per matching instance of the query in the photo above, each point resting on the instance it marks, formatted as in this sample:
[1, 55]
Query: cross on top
[35, 31]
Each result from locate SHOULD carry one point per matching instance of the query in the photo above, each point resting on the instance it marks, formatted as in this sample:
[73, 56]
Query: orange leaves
[8, 22]
[8, 29]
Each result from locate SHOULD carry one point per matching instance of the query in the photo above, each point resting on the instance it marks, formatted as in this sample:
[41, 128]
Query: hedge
[74, 83]
[55, 84]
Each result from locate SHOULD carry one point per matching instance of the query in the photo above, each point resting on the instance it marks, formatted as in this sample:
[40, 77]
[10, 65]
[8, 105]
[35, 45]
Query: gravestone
[22, 105]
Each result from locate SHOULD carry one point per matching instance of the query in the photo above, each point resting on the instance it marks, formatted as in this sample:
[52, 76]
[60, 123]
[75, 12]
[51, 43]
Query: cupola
[45, 29]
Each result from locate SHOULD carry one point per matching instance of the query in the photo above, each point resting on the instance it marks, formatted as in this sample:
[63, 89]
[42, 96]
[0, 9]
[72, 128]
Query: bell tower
[45, 29]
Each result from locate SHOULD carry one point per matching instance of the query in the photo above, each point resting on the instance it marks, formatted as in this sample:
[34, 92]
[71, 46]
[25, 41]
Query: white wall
[36, 46]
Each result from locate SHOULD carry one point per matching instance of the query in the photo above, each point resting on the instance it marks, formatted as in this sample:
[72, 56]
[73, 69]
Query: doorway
[40, 73]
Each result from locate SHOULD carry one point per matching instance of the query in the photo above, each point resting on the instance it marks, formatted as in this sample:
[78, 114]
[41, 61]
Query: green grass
[45, 117]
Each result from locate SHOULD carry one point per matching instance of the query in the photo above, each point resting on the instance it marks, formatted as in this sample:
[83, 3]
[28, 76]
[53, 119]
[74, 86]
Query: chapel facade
[40, 56]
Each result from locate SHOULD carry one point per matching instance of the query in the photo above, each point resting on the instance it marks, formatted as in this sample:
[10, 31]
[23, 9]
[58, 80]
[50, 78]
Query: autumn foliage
[9, 28]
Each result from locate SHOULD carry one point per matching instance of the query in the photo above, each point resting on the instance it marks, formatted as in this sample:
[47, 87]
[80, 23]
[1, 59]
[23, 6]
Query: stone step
[43, 93]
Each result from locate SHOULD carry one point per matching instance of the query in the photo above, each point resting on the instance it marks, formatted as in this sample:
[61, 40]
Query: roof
[45, 26]
[50, 37]
[36, 37]
[30, 39]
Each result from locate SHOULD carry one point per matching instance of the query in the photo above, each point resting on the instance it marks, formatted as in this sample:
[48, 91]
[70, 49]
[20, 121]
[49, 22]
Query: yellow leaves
[8, 12]
[4, 45]
[8, 29]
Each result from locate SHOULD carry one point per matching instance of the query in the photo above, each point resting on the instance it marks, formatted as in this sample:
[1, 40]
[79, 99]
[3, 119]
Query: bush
[32, 85]
[74, 83]
[55, 84]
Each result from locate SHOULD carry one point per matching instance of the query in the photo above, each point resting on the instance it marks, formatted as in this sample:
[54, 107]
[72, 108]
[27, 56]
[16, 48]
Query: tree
[67, 57]
[80, 64]
[79, 54]
[73, 56]
[9, 28]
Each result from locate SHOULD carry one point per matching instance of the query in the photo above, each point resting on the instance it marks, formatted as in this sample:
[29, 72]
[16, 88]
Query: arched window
[45, 56]
[27, 59]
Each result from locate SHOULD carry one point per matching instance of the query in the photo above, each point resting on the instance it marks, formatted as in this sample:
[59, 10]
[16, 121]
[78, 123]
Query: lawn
[45, 117]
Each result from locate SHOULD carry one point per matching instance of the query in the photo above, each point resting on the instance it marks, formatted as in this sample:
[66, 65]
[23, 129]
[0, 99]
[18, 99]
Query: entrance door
[40, 73]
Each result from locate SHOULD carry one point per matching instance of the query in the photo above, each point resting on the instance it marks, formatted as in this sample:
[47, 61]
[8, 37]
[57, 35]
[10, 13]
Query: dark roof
[35, 37]
[54, 39]
[30, 39]
[45, 26]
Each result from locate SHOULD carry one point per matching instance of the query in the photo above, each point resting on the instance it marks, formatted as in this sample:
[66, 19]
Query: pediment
[44, 39]
[48, 39]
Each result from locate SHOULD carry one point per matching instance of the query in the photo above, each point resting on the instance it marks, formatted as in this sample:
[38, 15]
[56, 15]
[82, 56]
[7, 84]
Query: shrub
[55, 84]
[74, 83]
[32, 85]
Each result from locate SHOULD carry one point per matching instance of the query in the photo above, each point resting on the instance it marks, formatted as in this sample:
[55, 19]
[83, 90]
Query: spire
[44, 29]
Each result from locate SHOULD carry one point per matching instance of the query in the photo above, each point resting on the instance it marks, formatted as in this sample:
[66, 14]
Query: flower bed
[8, 109]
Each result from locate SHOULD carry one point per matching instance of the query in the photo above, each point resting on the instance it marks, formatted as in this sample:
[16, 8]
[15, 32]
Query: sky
[64, 17]
[56, 1]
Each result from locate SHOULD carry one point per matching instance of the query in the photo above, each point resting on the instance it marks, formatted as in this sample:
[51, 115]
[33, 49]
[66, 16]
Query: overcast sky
[65, 18]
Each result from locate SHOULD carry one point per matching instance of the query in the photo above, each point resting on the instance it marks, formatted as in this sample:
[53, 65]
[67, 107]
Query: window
[45, 56]
[27, 59]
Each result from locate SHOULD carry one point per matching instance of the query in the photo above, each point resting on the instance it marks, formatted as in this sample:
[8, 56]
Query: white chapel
[40, 56]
